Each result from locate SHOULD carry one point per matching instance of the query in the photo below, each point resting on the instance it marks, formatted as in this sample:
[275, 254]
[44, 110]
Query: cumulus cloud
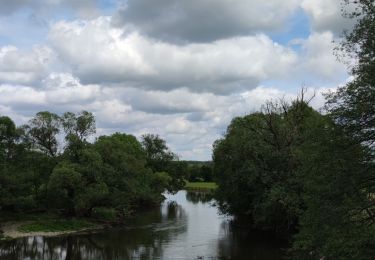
[204, 20]
[180, 69]
[63, 89]
[171, 102]
[190, 122]
[57, 92]
[98, 53]
[326, 15]
[317, 59]
[24, 67]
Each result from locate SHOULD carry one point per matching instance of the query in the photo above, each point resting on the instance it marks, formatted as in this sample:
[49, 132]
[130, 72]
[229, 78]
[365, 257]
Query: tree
[77, 129]
[160, 158]
[255, 165]
[43, 130]
[293, 171]
[352, 106]
[64, 185]
[337, 221]
[158, 155]
[109, 177]
[81, 125]
[8, 138]
[125, 172]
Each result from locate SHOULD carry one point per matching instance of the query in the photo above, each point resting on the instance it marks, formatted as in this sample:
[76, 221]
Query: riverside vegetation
[307, 176]
[106, 180]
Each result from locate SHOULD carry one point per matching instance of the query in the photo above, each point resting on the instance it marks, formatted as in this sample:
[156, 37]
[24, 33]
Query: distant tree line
[198, 171]
[307, 176]
[115, 173]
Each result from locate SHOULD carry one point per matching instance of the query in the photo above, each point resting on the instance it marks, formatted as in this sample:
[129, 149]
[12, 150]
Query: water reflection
[187, 226]
[199, 196]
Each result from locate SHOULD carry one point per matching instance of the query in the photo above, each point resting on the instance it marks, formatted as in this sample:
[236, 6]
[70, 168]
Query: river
[186, 226]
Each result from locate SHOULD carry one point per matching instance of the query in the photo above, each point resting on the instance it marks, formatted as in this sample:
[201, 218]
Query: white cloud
[318, 59]
[20, 96]
[98, 53]
[327, 15]
[24, 67]
[63, 88]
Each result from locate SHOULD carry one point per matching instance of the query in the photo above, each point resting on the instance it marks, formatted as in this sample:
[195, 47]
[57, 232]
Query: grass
[49, 225]
[3, 238]
[200, 186]
[19, 216]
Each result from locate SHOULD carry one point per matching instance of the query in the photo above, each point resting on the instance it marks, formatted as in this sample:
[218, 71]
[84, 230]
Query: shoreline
[10, 230]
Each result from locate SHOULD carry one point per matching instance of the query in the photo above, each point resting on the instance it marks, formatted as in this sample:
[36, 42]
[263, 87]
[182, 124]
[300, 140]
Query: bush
[102, 213]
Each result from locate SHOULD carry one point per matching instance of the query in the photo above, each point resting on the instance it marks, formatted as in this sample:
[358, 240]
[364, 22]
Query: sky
[178, 68]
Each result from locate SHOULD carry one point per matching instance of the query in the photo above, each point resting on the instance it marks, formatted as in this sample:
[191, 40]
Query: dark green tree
[256, 166]
[81, 125]
[160, 158]
[157, 152]
[42, 130]
[125, 172]
[8, 138]
[352, 106]
[77, 128]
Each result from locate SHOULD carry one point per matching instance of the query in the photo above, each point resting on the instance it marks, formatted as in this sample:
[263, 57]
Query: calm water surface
[187, 226]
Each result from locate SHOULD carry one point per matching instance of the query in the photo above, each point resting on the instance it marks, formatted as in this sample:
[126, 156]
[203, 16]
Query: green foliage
[157, 153]
[80, 179]
[64, 185]
[159, 158]
[42, 132]
[55, 226]
[199, 173]
[255, 165]
[81, 125]
[105, 214]
[201, 186]
[291, 170]
[160, 180]
[352, 106]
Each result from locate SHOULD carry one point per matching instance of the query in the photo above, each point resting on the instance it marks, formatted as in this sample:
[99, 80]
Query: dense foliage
[112, 176]
[310, 177]
[199, 171]
[353, 106]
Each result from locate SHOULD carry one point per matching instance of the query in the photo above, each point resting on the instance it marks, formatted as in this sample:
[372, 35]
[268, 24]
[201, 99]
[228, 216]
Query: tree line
[307, 176]
[114, 175]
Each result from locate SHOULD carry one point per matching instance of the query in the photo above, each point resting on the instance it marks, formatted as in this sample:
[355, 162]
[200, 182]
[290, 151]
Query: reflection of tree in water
[199, 196]
[142, 240]
[246, 244]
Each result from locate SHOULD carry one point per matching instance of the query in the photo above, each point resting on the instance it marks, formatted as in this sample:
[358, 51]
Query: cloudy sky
[179, 68]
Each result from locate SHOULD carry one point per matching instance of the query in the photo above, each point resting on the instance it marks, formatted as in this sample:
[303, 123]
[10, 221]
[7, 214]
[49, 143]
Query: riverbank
[43, 225]
[201, 186]
[12, 230]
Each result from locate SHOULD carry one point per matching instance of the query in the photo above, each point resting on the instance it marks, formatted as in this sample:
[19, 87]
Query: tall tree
[158, 154]
[77, 128]
[353, 105]
[256, 166]
[43, 130]
[82, 125]
[8, 136]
